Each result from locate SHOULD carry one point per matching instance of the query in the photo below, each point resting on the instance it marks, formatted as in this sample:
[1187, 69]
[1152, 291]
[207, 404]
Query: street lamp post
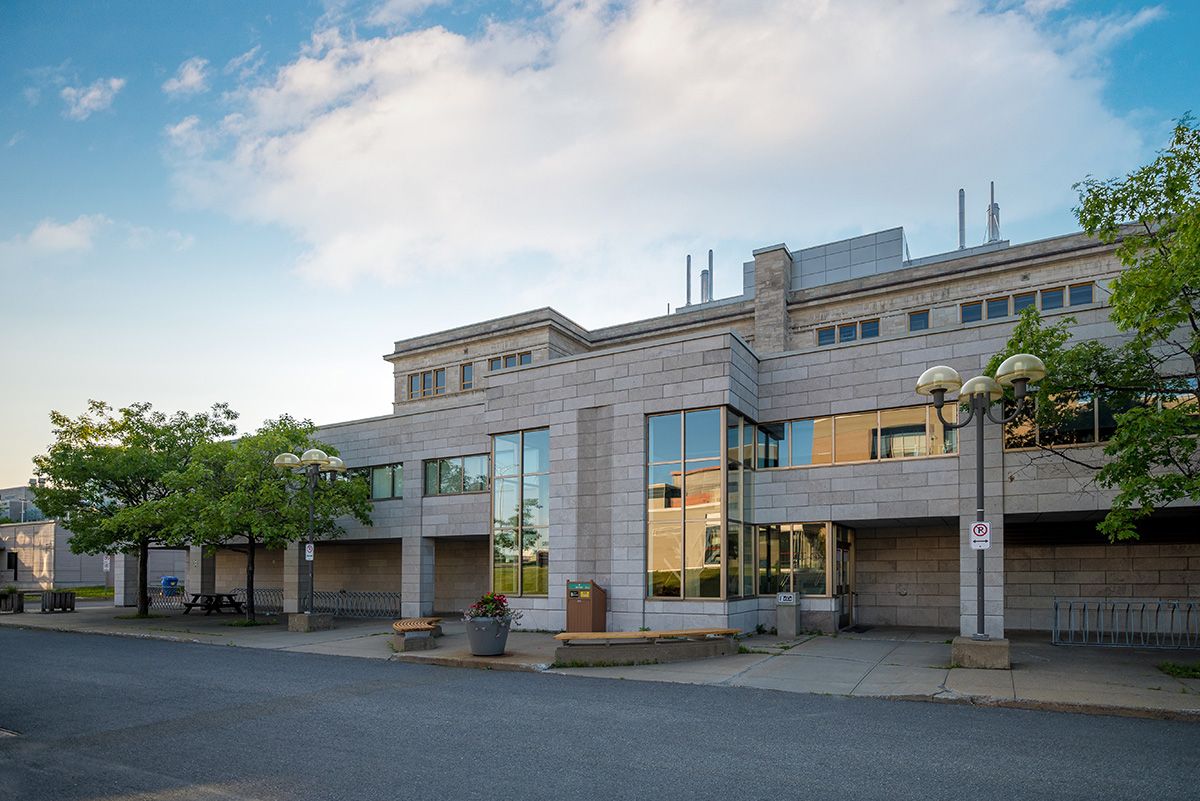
[981, 393]
[312, 463]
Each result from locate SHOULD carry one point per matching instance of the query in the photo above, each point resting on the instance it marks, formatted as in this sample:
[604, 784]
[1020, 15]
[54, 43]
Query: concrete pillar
[295, 577]
[201, 570]
[993, 493]
[772, 282]
[125, 579]
[416, 580]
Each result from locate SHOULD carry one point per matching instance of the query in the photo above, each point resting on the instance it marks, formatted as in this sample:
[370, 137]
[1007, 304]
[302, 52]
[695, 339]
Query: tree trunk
[249, 577]
[143, 601]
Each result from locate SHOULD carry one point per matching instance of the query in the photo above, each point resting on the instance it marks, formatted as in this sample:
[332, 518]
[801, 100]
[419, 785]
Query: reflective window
[1081, 294]
[733, 574]
[520, 510]
[1023, 301]
[456, 475]
[918, 320]
[466, 376]
[387, 481]
[1052, 298]
[854, 437]
[972, 312]
[869, 329]
[941, 439]
[826, 336]
[664, 558]
[666, 437]
[430, 382]
[902, 433]
[810, 558]
[812, 441]
[475, 473]
[432, 485]
[1078, 423]
[772, 445]
[997, 308]
[702, 434]
[847, 332]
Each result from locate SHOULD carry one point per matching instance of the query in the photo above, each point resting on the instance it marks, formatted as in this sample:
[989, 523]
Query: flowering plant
[493, 605]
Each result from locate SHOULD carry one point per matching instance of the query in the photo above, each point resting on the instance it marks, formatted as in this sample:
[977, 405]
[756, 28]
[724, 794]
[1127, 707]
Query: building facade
[699, 463]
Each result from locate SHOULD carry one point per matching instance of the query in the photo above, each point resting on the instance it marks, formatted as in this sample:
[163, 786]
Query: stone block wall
[907, 576]
[351, 566]
[231, 569]
[460, 573]
[1034, 575]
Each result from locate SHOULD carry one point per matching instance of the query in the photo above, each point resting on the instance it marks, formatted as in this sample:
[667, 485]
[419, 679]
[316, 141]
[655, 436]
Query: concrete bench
[416, 633]
[584, 648]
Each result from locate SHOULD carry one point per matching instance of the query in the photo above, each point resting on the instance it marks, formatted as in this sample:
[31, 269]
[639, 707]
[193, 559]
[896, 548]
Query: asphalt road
[118, 718]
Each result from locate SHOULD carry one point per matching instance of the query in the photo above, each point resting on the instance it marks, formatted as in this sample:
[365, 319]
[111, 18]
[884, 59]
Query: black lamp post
[313, 462]
[981, 393]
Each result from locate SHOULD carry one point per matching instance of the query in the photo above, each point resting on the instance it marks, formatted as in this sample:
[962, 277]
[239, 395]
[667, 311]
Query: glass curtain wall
[521, 512]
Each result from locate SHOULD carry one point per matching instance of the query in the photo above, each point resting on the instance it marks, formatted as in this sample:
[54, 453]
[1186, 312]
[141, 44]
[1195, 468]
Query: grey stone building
[697, 464]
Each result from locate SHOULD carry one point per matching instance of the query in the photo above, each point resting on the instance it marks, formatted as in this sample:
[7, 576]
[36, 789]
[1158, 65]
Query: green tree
[107, 475]
[1150, 381]
[231, 495]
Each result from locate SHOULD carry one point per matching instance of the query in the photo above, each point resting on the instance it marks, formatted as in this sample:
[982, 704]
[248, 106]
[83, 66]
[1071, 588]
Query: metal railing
[267, 600]
[160, 599]
[1127, 622]
[342, 603]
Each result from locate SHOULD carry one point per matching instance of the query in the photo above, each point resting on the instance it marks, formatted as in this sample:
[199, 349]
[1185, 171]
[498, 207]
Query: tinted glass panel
[537, 451]
[504, 562]
[1081, 294]
[702, 571]
[1023, 301]
[1077, 425]
[918, 321]
[1111, 405]
[772, 445]
[666, 443]
[869, 329]
[854, 437]
[825, 336]
[450, 482]
[1020, 433]
[535, 504]
[535, 562]
[504, 502]
[768, 560]
[397, 481]
[812, 441]
[507, 454]
[431, 477]
[475, 473]
[381, 482]
[702, 489]
[902, 433]
[733, 572]
[748, 579]
[847, 332]
[942, 439]
[733, 438]
[972, 312]
[810, 559]
[1052, 298]
[664, 558]
[702, 431]
[665, 491]
[426, 383]
[997, 307]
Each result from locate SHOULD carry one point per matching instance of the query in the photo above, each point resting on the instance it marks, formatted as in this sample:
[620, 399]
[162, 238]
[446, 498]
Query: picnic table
[213, 602]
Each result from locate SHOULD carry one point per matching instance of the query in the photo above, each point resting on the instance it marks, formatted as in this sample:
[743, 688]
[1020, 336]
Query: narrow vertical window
[466, 376]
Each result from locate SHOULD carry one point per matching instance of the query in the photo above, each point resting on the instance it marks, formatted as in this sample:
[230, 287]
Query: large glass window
[686, 480]
[510, 360]
[812, 441]
[387, 481]
[793, 557]
[520, 510]
[456, 475]
[902, 433]
[854, 437]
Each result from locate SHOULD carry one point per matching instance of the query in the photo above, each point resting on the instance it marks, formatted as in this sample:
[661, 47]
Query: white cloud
[244, 65]
[49, 236]
[399, 12]
[597, 139]
[83, 101]
[190, 79]
[15, 138]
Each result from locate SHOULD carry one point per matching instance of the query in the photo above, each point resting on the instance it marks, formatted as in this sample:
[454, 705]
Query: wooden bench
[621, 636]
[602, 648]
[416, 633]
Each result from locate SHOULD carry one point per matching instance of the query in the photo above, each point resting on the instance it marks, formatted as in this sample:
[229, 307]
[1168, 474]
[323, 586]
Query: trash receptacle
[169, 585]
[586, 606]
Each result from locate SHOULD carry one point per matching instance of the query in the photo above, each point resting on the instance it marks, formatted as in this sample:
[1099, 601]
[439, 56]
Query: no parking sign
[981, 535]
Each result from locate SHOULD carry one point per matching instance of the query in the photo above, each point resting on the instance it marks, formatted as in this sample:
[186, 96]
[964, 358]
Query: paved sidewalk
[883, 663]
[915, 664]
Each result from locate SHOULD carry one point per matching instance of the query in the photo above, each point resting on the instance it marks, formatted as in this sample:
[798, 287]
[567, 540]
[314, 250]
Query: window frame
[518, 533]
[462, 472]
[843, 328]
[466, 376]
[831, 330]
[1032, 295]
[1062, 298]
[918, 313]
[1091, 285]
[962, 311]
[368, 474]
[862, 333]
[1006, 300]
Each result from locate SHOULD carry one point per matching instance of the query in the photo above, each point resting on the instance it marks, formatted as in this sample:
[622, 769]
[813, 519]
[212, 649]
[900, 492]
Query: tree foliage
[108, 475]
[1149, 380]
[230, 494]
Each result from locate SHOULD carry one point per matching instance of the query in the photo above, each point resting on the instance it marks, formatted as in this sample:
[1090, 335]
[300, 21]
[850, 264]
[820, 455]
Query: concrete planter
[486, 635]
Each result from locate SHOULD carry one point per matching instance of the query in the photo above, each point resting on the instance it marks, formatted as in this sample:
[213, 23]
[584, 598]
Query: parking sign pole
[981, 403]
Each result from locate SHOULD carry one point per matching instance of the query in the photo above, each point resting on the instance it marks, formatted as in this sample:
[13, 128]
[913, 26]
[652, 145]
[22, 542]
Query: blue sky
[219, 201]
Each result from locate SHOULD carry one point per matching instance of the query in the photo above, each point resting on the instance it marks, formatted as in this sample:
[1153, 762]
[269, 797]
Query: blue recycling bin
[169, 585]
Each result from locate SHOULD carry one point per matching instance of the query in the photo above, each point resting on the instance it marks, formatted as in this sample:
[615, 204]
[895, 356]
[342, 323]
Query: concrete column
[416, 580]
[295, 577]
[993, 493]
[201, 570]
[772, 281]
[125, 579]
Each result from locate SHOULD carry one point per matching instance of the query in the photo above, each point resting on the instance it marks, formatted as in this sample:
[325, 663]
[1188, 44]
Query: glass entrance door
[843, 575]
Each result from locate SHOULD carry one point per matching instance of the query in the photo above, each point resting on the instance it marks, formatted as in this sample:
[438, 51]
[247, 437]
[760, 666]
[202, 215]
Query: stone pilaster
[417, 575]
[772, 282]
[295, 577]
[125, 579]
[201, 570]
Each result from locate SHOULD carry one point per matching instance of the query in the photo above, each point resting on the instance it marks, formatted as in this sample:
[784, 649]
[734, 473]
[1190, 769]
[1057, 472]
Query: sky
[249, 202]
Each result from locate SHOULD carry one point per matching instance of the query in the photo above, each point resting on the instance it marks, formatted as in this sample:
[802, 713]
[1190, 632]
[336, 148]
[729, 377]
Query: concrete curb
[476, 663]
[1185, 715]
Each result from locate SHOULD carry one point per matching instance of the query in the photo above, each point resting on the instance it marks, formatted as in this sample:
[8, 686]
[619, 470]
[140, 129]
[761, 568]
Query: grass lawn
[1181, 671]
[91, 592]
